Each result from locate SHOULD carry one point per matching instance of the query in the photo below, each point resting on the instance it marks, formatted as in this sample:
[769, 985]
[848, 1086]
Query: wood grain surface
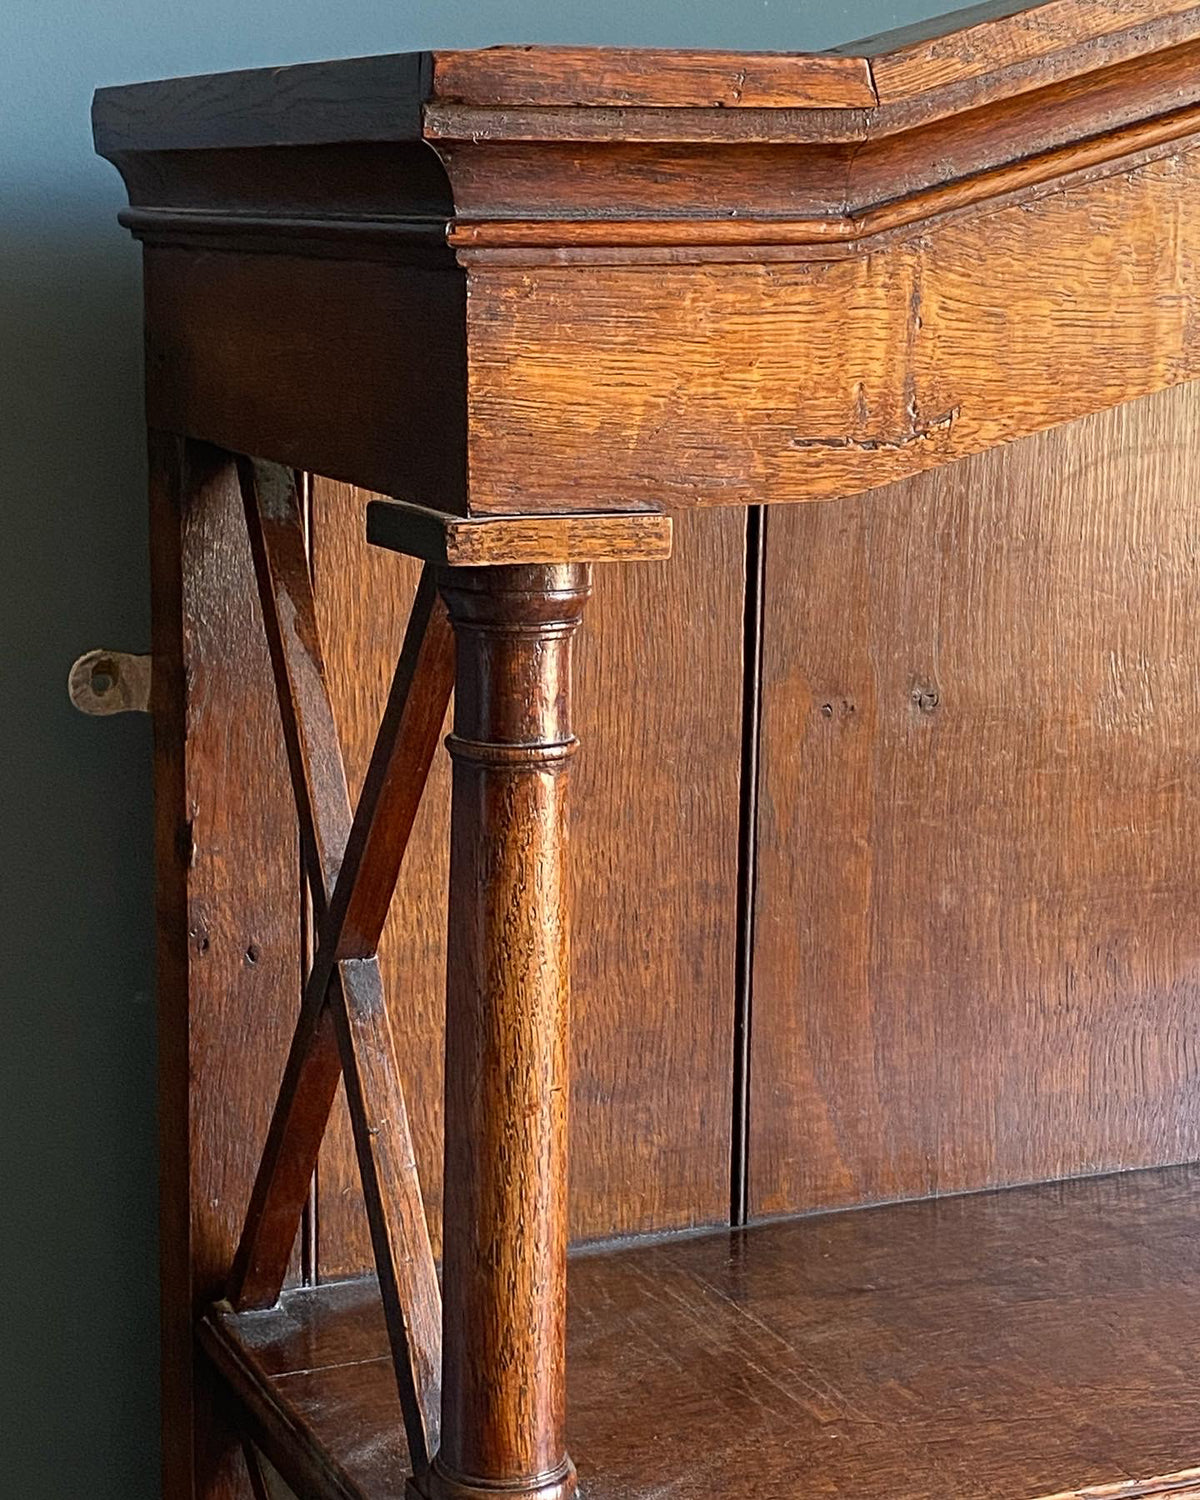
[970, 43]
[654, 860]
[690, 385]
[344, 1016]
[621, 76]
[461, 541]
[363, 597]
[769, 187]
[648, 300]
[1034, 1343]
[508, 989]
[228, 917]
[654, 848]
[978, 930]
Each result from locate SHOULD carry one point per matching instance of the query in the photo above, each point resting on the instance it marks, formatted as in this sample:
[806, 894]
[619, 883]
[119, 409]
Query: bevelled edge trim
[988, 49]
[1117, 150]
[493, 541]
[442, 241]
[402, 236]
[539, 756]
[1184, 1484]
[955, 71]
[351, 99]
[438, 1483]
[932, 54]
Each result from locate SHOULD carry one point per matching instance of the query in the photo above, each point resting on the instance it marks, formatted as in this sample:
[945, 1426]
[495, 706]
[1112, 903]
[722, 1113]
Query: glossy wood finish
[507, 989]
[1002, 1346]
[977, 914]
[653, 849]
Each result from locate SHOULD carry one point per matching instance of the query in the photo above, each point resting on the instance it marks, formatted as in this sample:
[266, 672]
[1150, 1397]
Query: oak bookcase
[855, 388]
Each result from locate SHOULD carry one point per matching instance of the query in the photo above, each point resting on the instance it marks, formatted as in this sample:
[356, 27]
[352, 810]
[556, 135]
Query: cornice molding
[575, 152]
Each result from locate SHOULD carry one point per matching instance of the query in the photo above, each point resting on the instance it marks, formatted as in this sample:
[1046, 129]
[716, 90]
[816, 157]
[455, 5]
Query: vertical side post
[505, 1234]
[228, 931]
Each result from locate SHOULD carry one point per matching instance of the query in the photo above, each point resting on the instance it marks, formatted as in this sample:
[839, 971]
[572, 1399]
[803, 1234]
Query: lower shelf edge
[1000, 1346]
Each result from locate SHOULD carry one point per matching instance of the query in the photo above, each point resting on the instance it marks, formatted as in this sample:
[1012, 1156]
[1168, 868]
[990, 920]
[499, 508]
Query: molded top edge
[953, 63]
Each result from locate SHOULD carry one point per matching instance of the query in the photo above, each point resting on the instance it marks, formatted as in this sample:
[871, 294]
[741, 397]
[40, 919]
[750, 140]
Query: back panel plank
[978, 922]
[654, 806]
[654, 826]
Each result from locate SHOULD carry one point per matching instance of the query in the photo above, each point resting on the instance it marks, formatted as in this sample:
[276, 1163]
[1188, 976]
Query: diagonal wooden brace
[343, 1028]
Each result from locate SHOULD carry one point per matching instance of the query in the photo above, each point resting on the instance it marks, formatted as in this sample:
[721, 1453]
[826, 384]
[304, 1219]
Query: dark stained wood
[314, 1066]
[168, 705]
[356, 98]
[392, 1198]
[1031, 1343]
[408, 739]
[504, 1232]
[282, 1185]
[977, 895]
[652, 1021]
[747, 868]
[275, 527]
[1056, 74]
[254, 1472]
[228, 918]
[697, 181]
[239, 351]
[458, 541]
[342, 979]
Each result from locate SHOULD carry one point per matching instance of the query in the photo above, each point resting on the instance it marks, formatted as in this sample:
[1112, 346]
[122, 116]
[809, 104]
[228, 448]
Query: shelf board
[1040, 1341]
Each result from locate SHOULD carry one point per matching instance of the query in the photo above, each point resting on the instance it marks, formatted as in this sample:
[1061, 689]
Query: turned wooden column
[504, 1260]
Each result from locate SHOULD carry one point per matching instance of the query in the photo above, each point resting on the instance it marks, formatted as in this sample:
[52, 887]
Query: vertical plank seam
[310, 1273]
[751, 730]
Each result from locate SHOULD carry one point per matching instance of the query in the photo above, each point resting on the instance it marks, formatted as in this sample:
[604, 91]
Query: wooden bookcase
[845, 401]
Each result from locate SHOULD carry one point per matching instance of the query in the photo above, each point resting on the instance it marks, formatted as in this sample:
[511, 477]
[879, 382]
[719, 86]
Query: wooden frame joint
[492, 541]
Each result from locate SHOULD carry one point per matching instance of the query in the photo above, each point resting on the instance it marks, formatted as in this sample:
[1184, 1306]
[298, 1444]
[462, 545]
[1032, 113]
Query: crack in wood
[921, 434]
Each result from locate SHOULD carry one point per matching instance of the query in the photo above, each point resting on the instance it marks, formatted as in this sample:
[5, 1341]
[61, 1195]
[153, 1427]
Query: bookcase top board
[998, 212]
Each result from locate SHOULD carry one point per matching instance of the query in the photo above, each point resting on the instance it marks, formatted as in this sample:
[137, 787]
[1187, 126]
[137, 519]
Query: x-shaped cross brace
[352, 864]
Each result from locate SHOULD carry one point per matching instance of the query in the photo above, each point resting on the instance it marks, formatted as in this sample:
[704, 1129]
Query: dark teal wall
[78, 1317]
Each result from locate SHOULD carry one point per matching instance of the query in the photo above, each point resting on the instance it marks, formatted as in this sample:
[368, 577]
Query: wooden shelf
[1000, 1346]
